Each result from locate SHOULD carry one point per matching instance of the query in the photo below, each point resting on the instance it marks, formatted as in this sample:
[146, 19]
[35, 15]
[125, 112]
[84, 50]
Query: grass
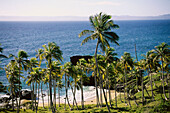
[159, 105]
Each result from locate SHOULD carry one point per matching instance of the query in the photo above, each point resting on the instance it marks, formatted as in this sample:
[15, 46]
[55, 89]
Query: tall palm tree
[55, 72]
[66, 68]
[22, 62]
[12, 73]
[73, 83]
[43, 73]
[33, 63]
[116, 69]
[162, 53]
[59, 85]
[109, 58]
[102, 26]
[150, 65]
[127, 62]
[36, 74]
[82, 73]
[51, 51]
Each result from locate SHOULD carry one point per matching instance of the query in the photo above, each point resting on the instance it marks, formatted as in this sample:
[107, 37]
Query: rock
[5, 98]
[26, 94]
[75, 59]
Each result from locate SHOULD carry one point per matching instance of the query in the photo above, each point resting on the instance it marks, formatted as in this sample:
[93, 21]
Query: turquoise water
[30, 36]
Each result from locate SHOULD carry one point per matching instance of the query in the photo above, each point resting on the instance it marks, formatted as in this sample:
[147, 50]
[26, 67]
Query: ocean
[30, 36]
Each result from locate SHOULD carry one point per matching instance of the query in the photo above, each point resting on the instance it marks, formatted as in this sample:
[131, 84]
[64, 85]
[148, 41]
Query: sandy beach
[89, 97]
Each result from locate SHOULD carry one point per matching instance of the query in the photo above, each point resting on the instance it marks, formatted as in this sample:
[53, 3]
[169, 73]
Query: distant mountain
[79, 18]
[126, 17]
[43, 18]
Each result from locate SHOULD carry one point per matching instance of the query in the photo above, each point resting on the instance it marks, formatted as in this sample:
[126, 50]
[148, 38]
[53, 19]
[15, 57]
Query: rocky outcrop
[75, 59]
[26, 94]
[5, 98]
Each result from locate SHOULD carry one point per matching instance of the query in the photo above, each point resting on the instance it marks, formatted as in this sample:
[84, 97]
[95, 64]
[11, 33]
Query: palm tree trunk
[12, 89]
[67, 93]
[146, 91]
[120, 95]
[106, 100]
[31, 96]
[48, 96]
[126, 88]
[108, 86]
[82, 97]
[135, 100]
[59, 96]
[50, 87]
[109, 94]
[151, 86]
[95, 75]
[163, 79]
[101, 100]
[74, 99]
[115, 92]
[18, 109]
[42, 94]
[12, 95]
[54, 84]
[36, 97]
[16, 101]
[142, 87]
[102, 87]
[38, 94]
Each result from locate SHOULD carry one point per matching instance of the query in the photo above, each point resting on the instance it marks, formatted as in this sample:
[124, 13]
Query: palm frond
[85, 32]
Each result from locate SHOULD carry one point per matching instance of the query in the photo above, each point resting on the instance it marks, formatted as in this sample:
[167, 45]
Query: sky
[83, 7]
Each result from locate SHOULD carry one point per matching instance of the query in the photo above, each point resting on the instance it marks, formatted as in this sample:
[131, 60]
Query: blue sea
[30, 36]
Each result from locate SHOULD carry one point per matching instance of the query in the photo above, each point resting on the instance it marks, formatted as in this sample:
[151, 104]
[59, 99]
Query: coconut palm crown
[102, 25]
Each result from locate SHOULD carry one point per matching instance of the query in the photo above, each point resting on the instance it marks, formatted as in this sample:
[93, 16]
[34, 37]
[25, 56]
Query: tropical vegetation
[144, 84]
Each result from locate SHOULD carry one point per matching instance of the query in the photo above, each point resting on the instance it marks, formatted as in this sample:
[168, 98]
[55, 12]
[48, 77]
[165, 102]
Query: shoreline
[89, 97]
[91, 100]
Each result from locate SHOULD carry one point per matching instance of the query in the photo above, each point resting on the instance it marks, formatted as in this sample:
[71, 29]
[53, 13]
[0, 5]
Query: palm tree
[116, 69]
[82, 73]
[36, 74]
[127, 62]
[12, 73]
[55, 72]
[74, 75]
[46, 82]
[33, 63]
[59, 85]
[43, 73]
[109, 58]
[102, 26]
[51, 51]
[66, 68]
[150, 66]
[162, 52]
[22, 62]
